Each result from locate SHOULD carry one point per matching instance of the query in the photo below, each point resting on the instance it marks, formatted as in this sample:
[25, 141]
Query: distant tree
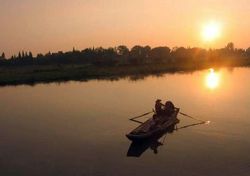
[104, 57]
[248, 52]
[136, 54]
[136, 51]
[30, 55]
[139, 54]
[179, 51]
[122, 50]
[239, 52]
[230, 46]
[39, 55]
[159, 54]
[23, 54]
[146, 51]
[19, 55]
[48, 54]
[3, 56]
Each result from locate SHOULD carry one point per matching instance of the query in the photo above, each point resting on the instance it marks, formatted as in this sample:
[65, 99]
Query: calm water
[78, 128]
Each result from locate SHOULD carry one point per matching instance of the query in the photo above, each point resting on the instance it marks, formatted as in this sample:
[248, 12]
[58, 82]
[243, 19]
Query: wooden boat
[151, 128]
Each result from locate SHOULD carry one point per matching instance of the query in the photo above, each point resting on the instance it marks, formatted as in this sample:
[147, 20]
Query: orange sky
[45, 25]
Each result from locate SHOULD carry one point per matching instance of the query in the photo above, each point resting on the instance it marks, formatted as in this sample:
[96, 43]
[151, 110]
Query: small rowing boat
[153, 127]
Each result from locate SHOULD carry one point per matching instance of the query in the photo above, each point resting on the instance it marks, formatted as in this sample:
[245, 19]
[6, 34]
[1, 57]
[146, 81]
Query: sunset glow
[134, 87]
[211, 31]
[36, 26]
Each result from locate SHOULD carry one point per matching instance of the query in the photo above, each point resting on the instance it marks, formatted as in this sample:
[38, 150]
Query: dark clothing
[158, 108]
[169, 108]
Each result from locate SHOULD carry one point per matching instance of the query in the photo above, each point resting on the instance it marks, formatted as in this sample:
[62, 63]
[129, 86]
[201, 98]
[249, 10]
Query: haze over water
[78, 128]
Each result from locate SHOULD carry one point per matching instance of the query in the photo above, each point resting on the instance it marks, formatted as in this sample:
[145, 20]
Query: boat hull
[148, 129]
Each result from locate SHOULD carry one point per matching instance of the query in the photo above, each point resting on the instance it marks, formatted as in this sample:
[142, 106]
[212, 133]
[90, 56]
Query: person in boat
[159, 107]
[169, 108]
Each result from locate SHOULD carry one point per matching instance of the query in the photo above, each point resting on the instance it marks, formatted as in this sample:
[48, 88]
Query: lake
[78, 128]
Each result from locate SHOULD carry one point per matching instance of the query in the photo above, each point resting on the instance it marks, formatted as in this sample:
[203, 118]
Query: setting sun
[211, 31]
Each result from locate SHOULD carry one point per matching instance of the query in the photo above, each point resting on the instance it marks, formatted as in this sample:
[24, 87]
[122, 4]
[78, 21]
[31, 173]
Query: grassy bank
[59, 73]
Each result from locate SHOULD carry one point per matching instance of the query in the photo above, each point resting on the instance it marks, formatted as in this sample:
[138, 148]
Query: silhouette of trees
[230, 47]
[104, 56]
[248, 52]
[137, 55]
[160, 54]
[2, 57]
[30, 55]
[19, 55]
[122, 50]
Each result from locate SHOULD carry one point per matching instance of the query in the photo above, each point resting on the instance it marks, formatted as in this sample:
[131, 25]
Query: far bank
[17, 75]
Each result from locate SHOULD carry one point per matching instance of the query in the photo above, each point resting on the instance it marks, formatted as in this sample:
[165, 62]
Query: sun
[211, 31]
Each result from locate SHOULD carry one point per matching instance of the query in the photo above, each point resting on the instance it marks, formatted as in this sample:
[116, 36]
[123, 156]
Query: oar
[187, 126]
[141, 115]
[193, 117]
[182, 127]
[136, 121]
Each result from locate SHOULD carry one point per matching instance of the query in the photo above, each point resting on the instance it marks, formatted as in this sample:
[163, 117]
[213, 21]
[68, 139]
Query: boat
[138, 147]
[150, 128]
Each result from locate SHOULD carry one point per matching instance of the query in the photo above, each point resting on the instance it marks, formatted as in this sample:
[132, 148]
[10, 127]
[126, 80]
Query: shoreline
[35, 74]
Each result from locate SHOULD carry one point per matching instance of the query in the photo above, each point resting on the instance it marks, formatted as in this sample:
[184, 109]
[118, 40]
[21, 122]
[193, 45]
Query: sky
[59, 25]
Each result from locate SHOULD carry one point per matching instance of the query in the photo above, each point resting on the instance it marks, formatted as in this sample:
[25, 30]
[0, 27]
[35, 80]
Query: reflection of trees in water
[58, 81]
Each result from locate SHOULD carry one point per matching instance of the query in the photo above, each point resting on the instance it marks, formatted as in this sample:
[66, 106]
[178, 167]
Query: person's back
[169, 108]
[158, 107]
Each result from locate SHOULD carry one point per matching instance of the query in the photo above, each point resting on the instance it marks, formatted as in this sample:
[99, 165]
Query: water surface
[78, 128]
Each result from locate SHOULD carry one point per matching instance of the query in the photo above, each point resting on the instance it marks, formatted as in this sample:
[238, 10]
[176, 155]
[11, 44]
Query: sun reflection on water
[212, 79]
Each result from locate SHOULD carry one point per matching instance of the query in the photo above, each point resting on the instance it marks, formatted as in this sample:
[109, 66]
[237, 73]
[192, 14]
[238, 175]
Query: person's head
[158, 101]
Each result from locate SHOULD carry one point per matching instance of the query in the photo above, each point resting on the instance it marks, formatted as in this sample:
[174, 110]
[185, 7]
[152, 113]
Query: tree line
[122, 55]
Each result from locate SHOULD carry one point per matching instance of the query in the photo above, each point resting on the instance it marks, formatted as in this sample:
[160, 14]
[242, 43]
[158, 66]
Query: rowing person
[159, 107]
[159, 111]
[169, 108]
